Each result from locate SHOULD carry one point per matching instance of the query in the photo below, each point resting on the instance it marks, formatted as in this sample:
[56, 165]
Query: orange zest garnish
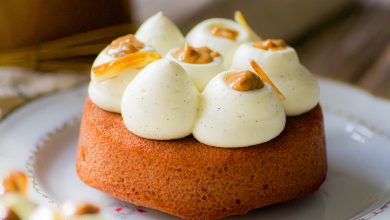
[239, 18]
[265, 78]
[16, 182]
[137, 60]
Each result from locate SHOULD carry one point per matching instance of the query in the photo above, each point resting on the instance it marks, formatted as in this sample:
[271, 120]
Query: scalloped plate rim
[78, 92]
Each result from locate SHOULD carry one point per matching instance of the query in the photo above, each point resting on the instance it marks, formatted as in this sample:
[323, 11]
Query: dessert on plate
[16, 205]
[214, 124]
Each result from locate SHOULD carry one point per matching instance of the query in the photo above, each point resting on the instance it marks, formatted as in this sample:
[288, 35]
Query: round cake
[191, 180]
[210, 125]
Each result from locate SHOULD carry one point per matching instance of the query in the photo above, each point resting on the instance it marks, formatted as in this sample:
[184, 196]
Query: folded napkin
[18, 86]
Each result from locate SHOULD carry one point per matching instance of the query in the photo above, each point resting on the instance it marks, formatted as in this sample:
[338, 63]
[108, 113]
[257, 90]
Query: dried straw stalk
[70, 53]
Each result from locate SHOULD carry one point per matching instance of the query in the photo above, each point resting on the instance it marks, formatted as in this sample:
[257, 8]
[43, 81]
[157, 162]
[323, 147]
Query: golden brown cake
[191, 180]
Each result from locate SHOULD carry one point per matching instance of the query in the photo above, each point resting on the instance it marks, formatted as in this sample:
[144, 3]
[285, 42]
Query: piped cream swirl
[229, 118]
[107, 94]
[282, 66]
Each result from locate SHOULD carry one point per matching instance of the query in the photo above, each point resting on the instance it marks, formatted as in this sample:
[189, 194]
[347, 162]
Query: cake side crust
[191, 180]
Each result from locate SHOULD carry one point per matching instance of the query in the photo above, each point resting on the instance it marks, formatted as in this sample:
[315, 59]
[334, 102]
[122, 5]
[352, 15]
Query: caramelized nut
[270, 44]
[224, 32]
[193, 55]
[86, 208]
[244, 81]
[124, 45]
[11, 215]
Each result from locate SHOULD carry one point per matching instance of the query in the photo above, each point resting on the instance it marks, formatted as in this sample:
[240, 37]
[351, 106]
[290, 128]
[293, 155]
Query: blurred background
[48, 45]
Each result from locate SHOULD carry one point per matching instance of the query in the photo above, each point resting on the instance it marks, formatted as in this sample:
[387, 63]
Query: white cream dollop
[161, 102]
[229, 118]
[18, 203]
[282, 66]
[200, 74]
[107, 94]
[161, 33]
[201, 35]
[45, 213]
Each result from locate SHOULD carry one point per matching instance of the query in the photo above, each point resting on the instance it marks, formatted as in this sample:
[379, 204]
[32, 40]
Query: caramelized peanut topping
[244, 81]
[86, 209]
[194, 55]
[15, 182]
[11, 215]
[270, 44]
[224, 32]
[124, 45]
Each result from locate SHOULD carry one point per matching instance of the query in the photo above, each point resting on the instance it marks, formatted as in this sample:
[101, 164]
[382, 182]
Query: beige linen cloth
[18, 86]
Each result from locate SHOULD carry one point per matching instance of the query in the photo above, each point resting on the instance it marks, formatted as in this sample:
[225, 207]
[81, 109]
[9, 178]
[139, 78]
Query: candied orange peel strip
[239, 18]
[137, 60]
[265, 78]
[16, 182]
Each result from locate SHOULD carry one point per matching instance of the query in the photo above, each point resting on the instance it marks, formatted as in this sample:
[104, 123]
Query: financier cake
[214, 124]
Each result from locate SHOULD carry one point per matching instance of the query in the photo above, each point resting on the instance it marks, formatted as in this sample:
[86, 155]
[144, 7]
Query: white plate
[41, 139]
